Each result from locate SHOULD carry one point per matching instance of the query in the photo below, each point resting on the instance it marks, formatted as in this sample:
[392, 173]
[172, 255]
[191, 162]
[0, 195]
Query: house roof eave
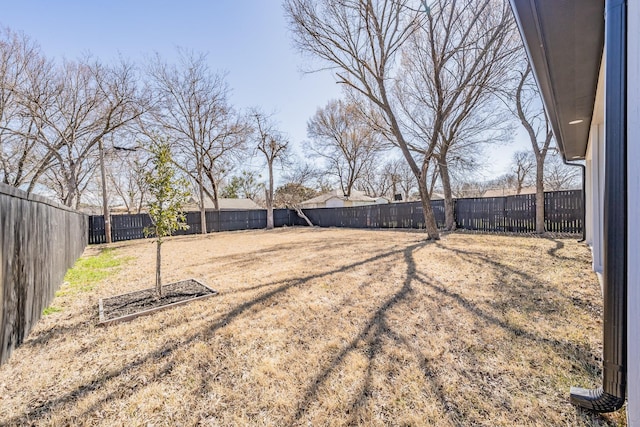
[564, 42]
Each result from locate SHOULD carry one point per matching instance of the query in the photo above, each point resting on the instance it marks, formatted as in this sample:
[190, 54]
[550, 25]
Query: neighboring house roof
[356, 196]
[118, 209]
[90, 209]
[224, 204]
[564, 40]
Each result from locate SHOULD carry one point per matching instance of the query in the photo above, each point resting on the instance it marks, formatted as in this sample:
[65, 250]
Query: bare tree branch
[192, 107]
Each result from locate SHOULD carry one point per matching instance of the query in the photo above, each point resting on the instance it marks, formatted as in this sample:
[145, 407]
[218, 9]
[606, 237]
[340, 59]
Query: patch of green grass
[87, 272]
[50, 310]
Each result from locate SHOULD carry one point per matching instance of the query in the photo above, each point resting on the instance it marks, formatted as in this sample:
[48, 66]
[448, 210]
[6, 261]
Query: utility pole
[105, 203]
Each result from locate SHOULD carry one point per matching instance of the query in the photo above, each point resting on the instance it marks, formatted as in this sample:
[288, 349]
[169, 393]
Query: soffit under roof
[564, 40]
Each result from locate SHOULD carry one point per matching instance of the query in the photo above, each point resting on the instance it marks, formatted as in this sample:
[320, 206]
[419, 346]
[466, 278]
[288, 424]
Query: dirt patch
[130, 305]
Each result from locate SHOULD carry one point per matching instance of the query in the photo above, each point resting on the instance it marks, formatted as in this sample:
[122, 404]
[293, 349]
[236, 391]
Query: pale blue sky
[246, 38]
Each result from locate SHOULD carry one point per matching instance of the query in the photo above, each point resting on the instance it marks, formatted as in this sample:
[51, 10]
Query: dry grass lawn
[325, 327]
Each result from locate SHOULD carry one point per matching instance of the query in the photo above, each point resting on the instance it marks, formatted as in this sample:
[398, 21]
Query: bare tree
[343, 138]
[245, 185]
[361, 40]
[274, 146]
[302, 173]
[56, 181]
[377, 181]
[23, 72]
[303, 182]
[407, 184]
[451, 71]
[127, 173]
[90, 101]
[522, 165]
[392, 178]
[529, 110]
[462, 189]
[192, 107]
[558, 176]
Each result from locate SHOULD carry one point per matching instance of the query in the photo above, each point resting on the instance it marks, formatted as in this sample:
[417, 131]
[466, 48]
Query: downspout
[611, 395]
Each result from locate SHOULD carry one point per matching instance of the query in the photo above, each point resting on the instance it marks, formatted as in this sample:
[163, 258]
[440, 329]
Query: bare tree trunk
[427, 211]
[425, 196]
[270, 198]
[540, 152]
[158, 264]
[394, 188]
[273, 145]
[41, 169]
[203, 215]
[303, 216]
[449, 211]
[72, 187]
[105, 201]
[539, 195]
[216, 205]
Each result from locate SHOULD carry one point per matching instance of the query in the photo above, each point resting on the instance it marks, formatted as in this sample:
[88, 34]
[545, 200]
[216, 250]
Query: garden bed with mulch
[134, 304]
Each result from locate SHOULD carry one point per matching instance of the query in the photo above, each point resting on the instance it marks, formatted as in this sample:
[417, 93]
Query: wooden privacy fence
[564, 211]
[129, 227]
[393, 215]
[563, 214]
[39, 241]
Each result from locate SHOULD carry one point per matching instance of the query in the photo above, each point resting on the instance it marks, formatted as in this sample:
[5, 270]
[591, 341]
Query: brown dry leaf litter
[325, 327]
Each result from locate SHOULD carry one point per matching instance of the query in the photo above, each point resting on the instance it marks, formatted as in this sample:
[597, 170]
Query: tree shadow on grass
[584, 354]
[43, 337]
[535, 292]
[559, 246]
[531, 292]
[248, 259]
[584, 359]
[87, 317]
[43, 410]
[371, 337]
[377, 329]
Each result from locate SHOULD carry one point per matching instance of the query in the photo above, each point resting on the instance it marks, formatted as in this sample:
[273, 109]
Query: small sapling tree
[168, 195]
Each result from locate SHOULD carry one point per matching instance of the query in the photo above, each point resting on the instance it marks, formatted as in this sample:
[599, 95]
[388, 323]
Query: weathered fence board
[511, 213]
[130, 227]
[39, 241]
[563, 212]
